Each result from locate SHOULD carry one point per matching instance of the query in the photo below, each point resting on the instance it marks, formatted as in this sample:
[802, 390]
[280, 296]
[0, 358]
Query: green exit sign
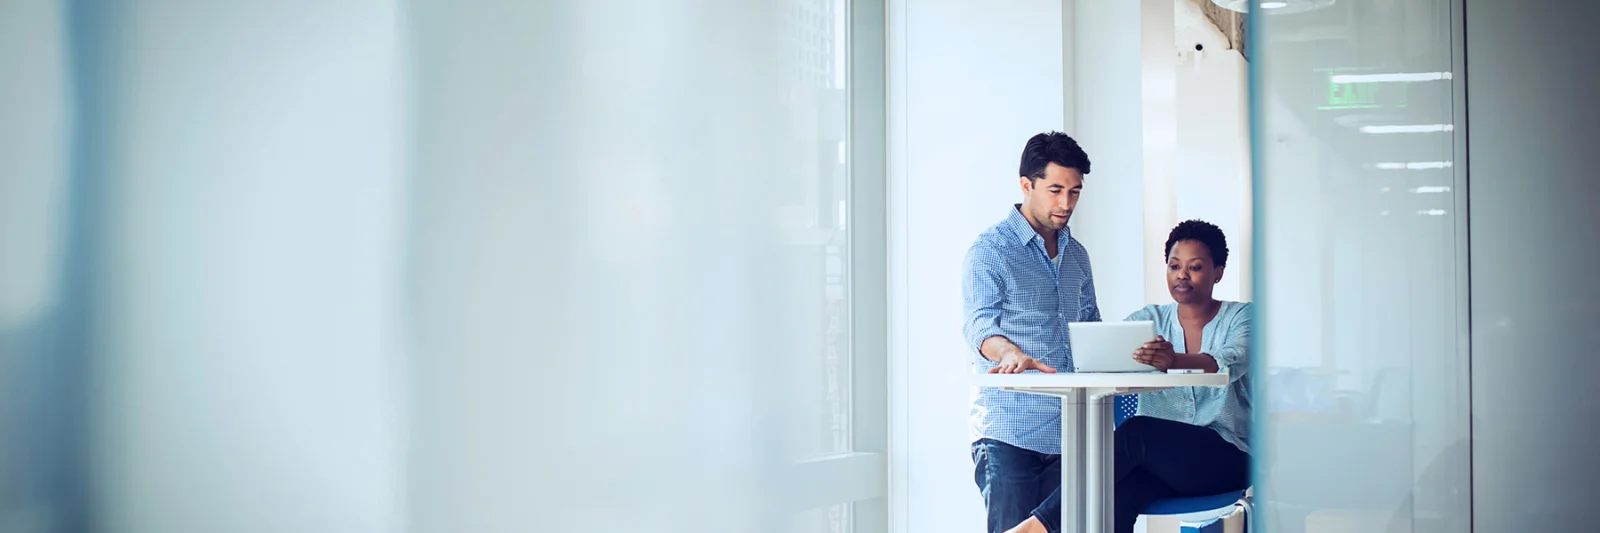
[1353, 94]
[1362, 95]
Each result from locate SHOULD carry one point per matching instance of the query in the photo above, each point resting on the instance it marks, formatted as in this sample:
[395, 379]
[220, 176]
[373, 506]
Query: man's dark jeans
[1014, 482]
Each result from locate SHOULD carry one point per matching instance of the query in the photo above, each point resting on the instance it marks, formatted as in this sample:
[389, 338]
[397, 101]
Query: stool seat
[1174, 506]
[1197, 508]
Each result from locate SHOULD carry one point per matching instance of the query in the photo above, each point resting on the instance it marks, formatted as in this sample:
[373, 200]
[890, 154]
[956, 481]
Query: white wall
[1168, 131]
[969, 83]
[1211, 175]
[1109, 120]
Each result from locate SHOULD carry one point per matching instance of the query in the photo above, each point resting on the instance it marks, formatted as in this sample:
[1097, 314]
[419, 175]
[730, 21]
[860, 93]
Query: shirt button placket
[1191, 407]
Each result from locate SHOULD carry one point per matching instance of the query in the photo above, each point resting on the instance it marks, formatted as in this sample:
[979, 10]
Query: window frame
[859, 476]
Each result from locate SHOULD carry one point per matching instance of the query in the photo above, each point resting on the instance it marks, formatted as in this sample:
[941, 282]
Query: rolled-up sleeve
[1089, 309]
[982, 291]
[1234, 357]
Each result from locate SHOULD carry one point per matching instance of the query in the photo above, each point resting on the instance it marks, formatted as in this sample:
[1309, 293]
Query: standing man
[1025, 279]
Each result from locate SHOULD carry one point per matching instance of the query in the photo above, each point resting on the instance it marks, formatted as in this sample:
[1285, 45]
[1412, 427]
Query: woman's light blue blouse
[1225, 409]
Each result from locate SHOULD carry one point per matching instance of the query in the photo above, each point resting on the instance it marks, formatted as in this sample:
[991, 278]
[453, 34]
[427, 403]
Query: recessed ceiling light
[1414, 165]
[1418, 128]
[1396, 76]
[1276, 6]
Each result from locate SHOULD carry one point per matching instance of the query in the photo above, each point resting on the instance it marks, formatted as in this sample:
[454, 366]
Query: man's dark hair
[1205, 233]
[1054, 147]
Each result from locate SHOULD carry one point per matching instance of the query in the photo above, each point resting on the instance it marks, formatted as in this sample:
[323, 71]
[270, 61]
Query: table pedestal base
[1088, 483]
[1088, 442]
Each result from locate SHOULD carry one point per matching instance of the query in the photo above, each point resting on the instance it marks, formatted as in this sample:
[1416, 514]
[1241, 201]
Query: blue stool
[1197, 510]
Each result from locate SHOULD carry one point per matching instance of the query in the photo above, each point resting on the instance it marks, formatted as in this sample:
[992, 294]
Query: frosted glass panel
[40, 368]
[428, 265]
[623, 223]
[1362, 412]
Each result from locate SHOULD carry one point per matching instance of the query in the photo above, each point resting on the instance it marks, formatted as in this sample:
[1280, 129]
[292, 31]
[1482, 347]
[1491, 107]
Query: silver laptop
[1109, 346]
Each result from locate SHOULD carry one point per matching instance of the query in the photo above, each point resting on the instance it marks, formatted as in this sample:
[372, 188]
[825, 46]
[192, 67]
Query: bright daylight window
[844, 257]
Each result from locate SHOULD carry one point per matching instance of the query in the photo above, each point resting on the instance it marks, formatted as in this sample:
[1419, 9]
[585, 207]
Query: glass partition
[1362, 406]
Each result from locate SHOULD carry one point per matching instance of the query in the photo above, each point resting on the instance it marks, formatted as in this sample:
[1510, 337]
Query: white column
[1122, 108]
[969, 83]
[1159, 117]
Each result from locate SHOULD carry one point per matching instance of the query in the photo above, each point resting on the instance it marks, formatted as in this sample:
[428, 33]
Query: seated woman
[1190, 441]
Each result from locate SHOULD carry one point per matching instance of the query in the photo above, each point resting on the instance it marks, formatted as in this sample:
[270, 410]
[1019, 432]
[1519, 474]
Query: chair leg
[1162, 524]
[1238, 521]
[1235, 522]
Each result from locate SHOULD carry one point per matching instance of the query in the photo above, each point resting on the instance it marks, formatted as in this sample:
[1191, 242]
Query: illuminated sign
[1359, 93]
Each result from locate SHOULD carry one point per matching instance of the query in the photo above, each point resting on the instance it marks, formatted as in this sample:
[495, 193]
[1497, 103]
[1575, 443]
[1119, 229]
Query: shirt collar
[1020, 227]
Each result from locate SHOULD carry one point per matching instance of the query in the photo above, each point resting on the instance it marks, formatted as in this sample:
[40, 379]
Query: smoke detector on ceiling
[1273, 7]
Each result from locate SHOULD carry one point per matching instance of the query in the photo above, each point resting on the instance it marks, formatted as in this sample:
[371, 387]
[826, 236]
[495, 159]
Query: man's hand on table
[1016, 362]
[1009, 357]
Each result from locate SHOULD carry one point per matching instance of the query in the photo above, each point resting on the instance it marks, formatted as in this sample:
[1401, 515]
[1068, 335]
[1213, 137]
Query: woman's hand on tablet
[1157, 353]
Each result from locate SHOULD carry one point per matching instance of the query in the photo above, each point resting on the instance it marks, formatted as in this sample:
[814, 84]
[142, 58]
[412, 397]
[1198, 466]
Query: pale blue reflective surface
[1363, 411]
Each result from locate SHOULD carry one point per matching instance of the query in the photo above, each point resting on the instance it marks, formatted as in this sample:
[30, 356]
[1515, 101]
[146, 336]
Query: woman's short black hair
[1205, 233]
[1053, 147]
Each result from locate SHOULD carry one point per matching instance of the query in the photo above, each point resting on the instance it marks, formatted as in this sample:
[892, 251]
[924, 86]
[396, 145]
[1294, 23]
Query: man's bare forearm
[996, 348]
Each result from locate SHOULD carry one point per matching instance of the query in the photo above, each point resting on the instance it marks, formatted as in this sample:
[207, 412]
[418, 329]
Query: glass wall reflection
[42, 359]
[1363, 407]
[426, 265]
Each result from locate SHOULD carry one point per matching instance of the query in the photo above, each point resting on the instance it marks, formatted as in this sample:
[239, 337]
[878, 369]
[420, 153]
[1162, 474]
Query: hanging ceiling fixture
[1273, 7]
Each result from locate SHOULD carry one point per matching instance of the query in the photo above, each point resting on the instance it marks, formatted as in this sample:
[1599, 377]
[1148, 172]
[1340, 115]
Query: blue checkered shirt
[1224, 409]
[1011, 289]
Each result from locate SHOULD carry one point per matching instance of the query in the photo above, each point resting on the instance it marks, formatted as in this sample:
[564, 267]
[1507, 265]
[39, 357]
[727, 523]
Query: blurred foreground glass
[666, 309]
[432, 266]
[1363, 410]
[42, 370]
